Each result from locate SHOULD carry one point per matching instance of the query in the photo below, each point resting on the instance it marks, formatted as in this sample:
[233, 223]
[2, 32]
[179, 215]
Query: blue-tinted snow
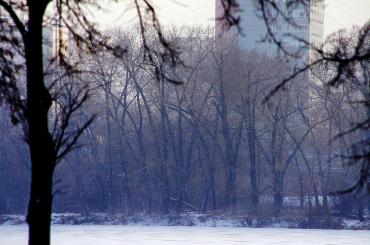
[156, 235]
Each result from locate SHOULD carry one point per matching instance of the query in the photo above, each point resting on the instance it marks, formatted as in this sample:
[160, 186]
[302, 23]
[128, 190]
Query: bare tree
[23, 49]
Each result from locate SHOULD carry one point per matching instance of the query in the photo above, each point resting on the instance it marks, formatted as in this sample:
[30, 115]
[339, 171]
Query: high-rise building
[308, 25]
[56, 40]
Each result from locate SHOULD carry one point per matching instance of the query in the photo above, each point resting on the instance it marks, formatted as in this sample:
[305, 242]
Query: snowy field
[158, 235]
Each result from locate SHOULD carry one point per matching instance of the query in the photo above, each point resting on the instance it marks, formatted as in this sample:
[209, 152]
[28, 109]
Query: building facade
[308, 26]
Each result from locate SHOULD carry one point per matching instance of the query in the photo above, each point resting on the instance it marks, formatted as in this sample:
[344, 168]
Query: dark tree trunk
[205, 200]
[41, 145]
[108, 152]
[301, 186]
[213, 190]
[230, 153]
[230, 185]
[278, 192]
[253, 171]
[251, 139]
[163, 169]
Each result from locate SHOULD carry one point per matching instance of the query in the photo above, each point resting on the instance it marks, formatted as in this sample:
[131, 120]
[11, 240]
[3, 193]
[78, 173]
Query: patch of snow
[195, 219]
[350, 222]
[155, 235]
[282, 224]
[356, 224]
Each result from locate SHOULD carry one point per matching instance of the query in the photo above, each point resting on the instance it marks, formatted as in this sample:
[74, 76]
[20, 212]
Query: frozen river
[156, 235]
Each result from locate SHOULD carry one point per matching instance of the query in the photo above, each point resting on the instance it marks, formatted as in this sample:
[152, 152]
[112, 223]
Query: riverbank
[196, 219]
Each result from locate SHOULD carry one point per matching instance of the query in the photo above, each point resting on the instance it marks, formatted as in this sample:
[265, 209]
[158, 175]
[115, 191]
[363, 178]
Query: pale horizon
[339, 14]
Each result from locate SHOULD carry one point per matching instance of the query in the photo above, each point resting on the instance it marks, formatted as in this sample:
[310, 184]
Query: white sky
[338, 13]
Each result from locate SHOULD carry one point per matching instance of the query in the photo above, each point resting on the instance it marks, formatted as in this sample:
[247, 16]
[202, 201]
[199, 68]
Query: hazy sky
[338, 13]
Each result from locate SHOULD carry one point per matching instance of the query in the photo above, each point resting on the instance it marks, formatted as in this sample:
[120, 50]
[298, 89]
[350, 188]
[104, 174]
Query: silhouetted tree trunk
[278, 188]
[42, 148]
[164, 164]
[301, 185]
[251, 139]
[231, 137]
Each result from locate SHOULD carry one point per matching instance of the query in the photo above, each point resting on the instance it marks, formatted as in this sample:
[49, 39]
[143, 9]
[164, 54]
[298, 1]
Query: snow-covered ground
[155, 235]
[197, 219]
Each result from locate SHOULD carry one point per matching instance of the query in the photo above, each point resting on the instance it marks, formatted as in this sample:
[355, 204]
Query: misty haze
[251, 128]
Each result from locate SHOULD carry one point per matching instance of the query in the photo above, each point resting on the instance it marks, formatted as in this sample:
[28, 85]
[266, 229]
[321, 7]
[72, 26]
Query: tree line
[207, 145]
